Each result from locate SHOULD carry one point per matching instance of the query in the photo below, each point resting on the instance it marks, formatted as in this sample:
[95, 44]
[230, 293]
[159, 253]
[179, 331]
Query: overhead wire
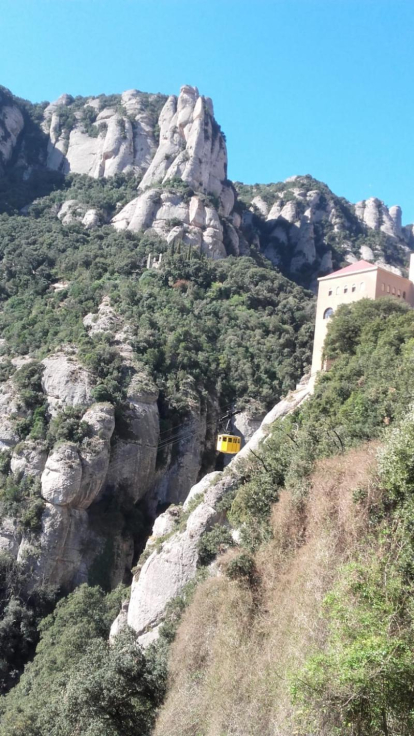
[176, 438]
[166, 431]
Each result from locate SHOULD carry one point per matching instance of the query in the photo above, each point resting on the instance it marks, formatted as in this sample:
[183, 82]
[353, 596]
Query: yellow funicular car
[228, 443]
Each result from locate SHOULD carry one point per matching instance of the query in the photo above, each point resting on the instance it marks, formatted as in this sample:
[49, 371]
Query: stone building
[357, 281]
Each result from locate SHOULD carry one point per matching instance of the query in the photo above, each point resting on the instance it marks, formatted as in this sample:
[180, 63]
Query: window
[382, 287]
[388, 289]
[393, 289]
[328, 313]
[337, 290]
[345, 289]
[399, 292]
[403, 294]
[353, 287]
[330, 292]
[362, 286]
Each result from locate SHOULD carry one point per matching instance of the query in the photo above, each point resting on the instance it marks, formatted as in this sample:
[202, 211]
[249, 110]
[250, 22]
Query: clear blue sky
[323, 87]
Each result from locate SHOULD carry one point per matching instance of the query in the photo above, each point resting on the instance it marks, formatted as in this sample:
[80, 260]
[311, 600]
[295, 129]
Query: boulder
[62, 476]
[28, 458]
[66, 382]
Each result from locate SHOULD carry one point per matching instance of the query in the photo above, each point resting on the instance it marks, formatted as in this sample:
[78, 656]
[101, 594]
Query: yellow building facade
[360, 280]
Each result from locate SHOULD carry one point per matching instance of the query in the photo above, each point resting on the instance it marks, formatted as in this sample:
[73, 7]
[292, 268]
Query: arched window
[353, 287]
[382, 287]
[403, 294]
[328, 313]
[399, 292]
[330, 292]
[388, 289]
[345, 289]
[337, 290]
[362, 286]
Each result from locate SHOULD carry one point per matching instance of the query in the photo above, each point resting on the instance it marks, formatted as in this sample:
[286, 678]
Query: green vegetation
[351, 235]
[341, 533]
[78, 683]
[21, 611]
[367, 388]
[235, 325]
[214, 542]
[362, 682]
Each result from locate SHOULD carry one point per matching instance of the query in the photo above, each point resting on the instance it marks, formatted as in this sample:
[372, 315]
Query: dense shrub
[212, 543]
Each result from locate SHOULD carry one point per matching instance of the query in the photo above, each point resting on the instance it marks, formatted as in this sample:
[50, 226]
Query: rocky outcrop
[121, 138]
[73, 476]
[376, 215]
[74, 211]
[66, 382]
[191, 145]
[175, 218]
[133, 458]
[104, 320]
[11, 125]
[174, 562]
[306, 231]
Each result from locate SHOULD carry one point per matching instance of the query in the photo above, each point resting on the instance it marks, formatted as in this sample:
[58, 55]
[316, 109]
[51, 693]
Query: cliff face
[78, 478]
[175, 152]
[305, 230]
[164, 162]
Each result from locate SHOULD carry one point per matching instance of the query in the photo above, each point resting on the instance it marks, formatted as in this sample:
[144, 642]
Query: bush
[242, 568]
[212, 543]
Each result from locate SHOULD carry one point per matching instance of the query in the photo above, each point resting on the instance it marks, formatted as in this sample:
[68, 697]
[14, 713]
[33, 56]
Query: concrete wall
[389, 284]
[336, 290]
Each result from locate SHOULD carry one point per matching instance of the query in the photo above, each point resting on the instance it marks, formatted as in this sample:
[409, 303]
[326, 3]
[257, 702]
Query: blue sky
[321, 87]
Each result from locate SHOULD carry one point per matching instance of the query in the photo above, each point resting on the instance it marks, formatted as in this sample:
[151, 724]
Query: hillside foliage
[320, 591]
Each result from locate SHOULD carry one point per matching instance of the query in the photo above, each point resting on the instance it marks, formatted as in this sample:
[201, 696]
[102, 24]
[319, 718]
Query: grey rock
[66, 382]
[172, 565]
[28, 458]
[11, 125]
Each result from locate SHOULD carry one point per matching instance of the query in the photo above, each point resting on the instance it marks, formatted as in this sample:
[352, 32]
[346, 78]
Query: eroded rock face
[28, 458]
[58, 557]
[134, 455]
[123, 139]
[191, 146]
[74, 475]
[11, 125]
[74, 211]
[376, 215]
[175, 219]
[174, 563]
[66, 382]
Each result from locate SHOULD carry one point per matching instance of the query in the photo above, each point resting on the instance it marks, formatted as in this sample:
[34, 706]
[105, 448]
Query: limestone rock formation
[377, 216]
[174, 563]
[134, 455]
[305, 230]
[121, 138]
[191, 146]
[66, 382]
[11, 125]
[74, 211]
[169, 214]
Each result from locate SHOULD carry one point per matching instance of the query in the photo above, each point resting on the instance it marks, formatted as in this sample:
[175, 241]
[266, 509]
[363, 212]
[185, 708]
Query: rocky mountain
[175, 155]
[144, 295]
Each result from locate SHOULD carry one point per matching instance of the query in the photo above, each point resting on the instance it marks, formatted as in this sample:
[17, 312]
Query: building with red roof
[359, 280]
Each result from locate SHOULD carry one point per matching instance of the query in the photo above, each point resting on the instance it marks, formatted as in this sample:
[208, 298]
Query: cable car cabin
[228, 443]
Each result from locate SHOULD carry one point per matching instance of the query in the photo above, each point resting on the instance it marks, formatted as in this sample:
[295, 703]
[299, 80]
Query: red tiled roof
[352, 268]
